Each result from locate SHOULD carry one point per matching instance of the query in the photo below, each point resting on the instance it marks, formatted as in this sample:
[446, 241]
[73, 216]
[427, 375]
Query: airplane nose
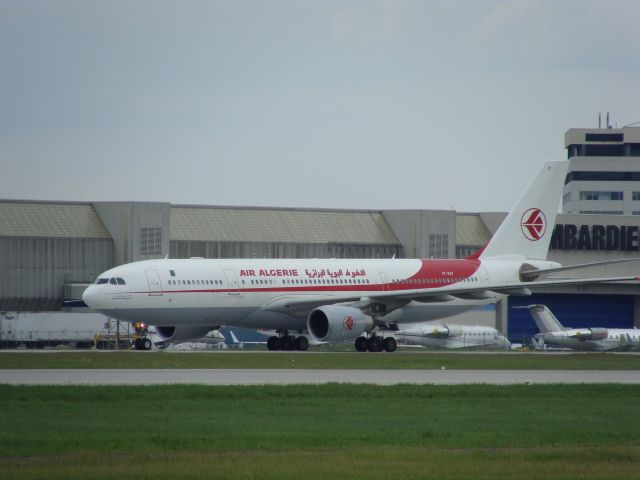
[88, 296]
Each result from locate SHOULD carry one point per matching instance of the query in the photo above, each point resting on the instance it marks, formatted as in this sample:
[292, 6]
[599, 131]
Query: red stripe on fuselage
[432, 274]
[438, 273]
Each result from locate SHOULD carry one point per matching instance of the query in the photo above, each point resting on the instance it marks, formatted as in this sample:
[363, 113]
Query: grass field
[327, 431]
[352, 360]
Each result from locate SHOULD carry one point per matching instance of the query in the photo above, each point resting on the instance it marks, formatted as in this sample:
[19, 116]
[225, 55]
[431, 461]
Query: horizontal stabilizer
[534, 273]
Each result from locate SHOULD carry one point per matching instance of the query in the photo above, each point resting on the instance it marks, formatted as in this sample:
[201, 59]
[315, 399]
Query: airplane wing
[301, 305]
[484, 291]
[535, 273]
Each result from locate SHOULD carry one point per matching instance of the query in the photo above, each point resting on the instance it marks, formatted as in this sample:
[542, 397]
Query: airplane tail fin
[545, 319]
[526, 231]
[234, 339]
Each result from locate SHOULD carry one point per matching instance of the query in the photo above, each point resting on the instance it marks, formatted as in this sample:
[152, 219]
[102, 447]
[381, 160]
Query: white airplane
[435, 335]
[337, 300]
[593, 339]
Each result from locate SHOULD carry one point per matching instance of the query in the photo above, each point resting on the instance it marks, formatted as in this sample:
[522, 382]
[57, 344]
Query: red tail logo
[349, 323]
[533, 224]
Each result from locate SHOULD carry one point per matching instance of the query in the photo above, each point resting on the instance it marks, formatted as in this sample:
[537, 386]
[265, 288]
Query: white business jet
[448, 335]
[337, 300]
[593, 338]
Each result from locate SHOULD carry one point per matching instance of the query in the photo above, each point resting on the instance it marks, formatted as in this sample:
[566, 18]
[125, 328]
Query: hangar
[50, 251]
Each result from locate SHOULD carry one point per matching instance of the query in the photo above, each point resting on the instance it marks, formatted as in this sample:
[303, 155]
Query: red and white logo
[349, 323]
[533, 224]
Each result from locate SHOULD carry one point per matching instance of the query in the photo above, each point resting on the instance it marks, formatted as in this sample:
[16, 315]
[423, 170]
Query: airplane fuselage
[613, 339]
[235, 292]
[453, 336]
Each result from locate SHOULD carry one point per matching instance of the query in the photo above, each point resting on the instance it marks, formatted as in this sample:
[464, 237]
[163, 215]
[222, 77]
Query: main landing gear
[288, 342]
[375, 343]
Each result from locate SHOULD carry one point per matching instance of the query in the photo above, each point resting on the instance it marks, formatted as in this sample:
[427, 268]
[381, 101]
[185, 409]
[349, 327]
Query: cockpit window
[112, 281]
[120, 281]
[102, 281]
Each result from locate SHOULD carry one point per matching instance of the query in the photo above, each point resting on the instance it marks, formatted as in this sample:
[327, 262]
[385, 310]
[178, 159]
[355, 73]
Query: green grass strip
[328, 360]
[324, 431]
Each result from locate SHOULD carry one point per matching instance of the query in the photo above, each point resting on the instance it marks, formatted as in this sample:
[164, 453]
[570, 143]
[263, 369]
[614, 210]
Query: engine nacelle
[599, 333]
[182, 333]
[445, 331]
[334, 323]
[590, 333]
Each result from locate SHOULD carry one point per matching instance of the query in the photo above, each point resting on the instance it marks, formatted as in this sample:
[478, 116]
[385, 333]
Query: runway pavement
[300, 376]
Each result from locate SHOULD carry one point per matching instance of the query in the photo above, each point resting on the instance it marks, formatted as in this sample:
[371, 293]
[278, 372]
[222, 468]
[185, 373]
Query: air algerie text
[291, 272]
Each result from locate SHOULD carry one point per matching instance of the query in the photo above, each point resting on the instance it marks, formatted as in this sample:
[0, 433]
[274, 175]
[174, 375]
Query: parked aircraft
[337, 300]
[430, 334]
[214, 337]
[593, 338]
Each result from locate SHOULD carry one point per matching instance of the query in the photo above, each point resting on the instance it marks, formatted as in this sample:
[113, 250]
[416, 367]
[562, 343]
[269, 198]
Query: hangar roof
[279, 225]
[471, 230]
[39, 219]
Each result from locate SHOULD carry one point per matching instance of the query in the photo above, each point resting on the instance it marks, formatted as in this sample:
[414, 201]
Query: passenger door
[153, 279]
[232, 282]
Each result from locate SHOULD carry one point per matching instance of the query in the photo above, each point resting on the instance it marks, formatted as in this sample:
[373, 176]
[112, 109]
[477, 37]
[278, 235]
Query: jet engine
[445, 331]
[590, 333]
[334, 323]
[182, 333]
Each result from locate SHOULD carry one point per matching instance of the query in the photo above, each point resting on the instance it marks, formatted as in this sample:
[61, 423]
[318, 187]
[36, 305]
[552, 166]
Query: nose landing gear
[143, 343]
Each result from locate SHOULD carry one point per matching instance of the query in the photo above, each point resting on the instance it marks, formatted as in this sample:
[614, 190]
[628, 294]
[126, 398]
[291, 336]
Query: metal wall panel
[220, 224]
[33, 271]
[29, 218]
[191, 248]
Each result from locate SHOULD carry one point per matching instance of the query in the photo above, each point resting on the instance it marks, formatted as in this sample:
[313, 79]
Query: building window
[439, 245]
[463, 251]
[588, 195]
[151, 241]
[593, 176]
[636, 195]
[601, 212]
[604, 137]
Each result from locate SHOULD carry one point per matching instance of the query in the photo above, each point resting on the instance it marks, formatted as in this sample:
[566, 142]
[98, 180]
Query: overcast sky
[340, 104]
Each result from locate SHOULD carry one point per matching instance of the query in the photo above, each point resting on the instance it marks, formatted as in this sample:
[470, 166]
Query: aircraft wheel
[390, 344]
[302, 343]
[145, 344]
[137, 345]
[273, 343]
[362, 344]
[375, 344]
[287, 343]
